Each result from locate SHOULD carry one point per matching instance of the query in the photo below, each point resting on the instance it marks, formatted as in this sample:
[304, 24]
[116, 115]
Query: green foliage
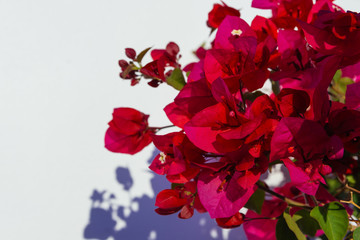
[141, 55]
[339, 85]
[306, 223]
[283, 232]
[176, 79]
[256, 201]
[293, 226]
[333, 220]
[251, 96]
[356, 234]
[175, 185]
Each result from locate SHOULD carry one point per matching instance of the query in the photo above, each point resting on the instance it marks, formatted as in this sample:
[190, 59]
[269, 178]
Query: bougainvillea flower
[322, 5]
[182, 197]
[305, 177]
[352, 97]
[345, 123]
[261, 123]
[167, 55]
[295, 67]
[174, 159]
[204, 127]
[197, 72]
[169, 199]
[264, 228]
[233, 28]
[128, 131]
[285, 12]
[231, 222]
[352, 71]
[308, 142]
[220, 193]
[155, 70]
[194, 97]
[177, 115]
[219, 12]
[303, 139]
[320, 100]
[292, 103]
[232, 66]
[335, 33]
[224, 64]
[264, 4]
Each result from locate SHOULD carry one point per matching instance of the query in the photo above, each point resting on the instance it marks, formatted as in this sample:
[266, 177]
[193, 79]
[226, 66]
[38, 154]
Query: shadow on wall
[141, 221]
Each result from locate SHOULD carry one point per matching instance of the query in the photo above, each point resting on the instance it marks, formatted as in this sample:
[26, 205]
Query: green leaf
[339, 85]
[283, 231]
[356, 199]
[293, 226]
[251, 96]
[175, 185]
[342, 83]
[275, 86]
[356, 234]
[333, 220]
[128, 69]
[337, 75]
[351, 179]
[176, 79]
[141, 55]
[256, 201]
[306, 223]
[333, 185]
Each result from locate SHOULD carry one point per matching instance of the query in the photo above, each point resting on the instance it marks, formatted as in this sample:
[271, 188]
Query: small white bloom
[162, 157]
[236, 32]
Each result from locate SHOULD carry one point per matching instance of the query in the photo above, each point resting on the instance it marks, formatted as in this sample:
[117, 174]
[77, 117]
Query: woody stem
[160, 128]
[285, 199]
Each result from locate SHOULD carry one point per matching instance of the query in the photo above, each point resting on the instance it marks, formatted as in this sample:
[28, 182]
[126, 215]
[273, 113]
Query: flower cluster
[231, 132]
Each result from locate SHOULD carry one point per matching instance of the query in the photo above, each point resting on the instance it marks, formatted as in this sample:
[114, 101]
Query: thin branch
[352, 189]
[351, 201]
[160, 128]
[289, 201]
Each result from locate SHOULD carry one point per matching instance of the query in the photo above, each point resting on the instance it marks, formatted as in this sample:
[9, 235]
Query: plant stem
[160, 128]
[275, 87]
[261, 218]
[285, 199]
[352, 189]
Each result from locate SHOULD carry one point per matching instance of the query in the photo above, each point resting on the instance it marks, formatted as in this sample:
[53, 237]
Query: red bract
[308, 142]
[335, 33]
[128, 131]
[168, 55]
[169, 199]
[231, 222]
[220, 193]
[204, 127]
[285, 12]
[264, 228]
[352, 96]
[233, 29]
[292, 103]
[218, 13]
[182, 197]
[322, 5]
[174, 160]
[346, 124]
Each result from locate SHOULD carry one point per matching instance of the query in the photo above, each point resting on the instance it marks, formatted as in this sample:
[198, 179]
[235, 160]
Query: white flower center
[162, 157]
[237, 32]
